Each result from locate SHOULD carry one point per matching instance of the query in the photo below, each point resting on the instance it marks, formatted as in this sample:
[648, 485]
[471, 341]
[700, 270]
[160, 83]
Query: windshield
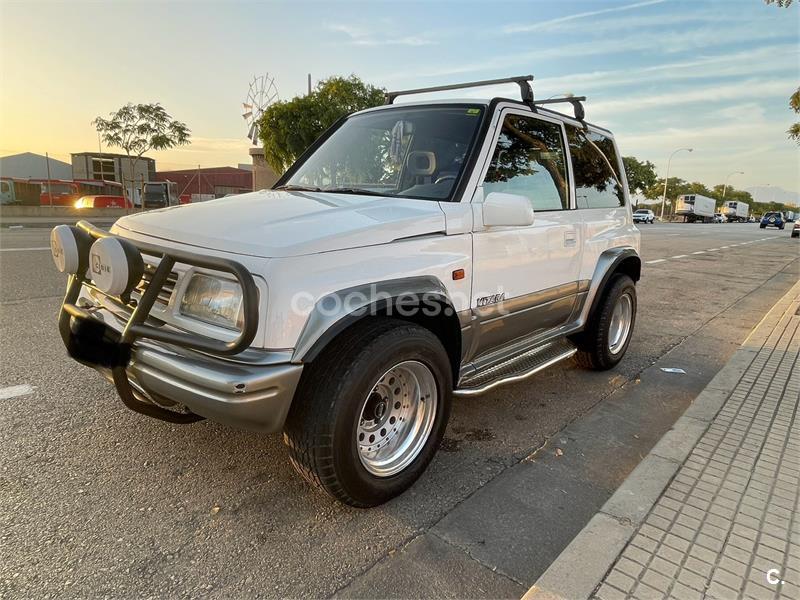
[413, 153]
[642, 211]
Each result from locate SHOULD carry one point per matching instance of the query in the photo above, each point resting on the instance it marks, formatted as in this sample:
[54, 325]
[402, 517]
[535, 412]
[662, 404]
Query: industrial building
[112, 167]
[208, 183]
[28, 165]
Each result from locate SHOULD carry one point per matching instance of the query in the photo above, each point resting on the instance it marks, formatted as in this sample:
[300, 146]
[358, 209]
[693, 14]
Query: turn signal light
[458, 274]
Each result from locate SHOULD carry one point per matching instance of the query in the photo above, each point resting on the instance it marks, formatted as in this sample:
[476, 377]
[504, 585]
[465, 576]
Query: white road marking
[24, 249]
[699, 252]
[658, 260]
[15, 390]
[680, 256]
[723, 247]
[712, 249]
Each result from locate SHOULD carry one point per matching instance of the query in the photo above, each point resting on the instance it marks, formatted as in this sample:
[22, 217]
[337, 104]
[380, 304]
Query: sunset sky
[661, 74]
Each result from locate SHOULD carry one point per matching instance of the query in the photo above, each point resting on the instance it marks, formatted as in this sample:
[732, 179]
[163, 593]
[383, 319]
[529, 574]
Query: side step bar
[516, 368]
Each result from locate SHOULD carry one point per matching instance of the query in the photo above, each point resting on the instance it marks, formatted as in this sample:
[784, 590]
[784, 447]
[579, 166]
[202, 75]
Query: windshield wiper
[352, 190]
[298, 188]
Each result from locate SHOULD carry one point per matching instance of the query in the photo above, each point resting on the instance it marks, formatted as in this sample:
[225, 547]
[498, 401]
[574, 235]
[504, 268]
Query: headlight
[213, 300]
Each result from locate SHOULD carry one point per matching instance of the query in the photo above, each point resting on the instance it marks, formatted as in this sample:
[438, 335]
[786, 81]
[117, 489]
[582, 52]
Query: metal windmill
[260, 95]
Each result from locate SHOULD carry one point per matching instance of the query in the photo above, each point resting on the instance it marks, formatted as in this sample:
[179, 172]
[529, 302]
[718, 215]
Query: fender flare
[607, 265]
[336, 311]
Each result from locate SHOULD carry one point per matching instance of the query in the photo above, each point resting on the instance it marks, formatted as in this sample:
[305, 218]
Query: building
[33, 166]
[213, 182]
[112, 167]
[264, 177]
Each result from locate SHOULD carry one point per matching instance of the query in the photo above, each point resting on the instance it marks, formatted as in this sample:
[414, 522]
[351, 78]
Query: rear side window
[529, 161]
[596, 170]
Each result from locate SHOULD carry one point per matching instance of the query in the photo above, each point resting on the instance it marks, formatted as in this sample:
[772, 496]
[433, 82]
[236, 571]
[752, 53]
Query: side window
[529, 161]
[596, 170]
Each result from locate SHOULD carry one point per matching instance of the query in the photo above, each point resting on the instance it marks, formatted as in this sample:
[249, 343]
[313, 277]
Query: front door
[525, 279]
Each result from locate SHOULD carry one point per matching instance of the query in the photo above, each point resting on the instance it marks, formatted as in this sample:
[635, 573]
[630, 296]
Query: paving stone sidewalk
[712, 511]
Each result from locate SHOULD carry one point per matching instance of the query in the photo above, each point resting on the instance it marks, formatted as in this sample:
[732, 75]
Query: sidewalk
[711, 511]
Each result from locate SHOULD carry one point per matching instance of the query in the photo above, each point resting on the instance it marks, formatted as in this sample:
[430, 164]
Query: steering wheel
[444, 178]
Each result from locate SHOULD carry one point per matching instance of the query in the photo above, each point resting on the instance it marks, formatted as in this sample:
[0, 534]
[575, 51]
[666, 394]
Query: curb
[581, 567]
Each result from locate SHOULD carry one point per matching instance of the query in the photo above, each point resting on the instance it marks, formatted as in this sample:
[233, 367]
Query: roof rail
[522, 81]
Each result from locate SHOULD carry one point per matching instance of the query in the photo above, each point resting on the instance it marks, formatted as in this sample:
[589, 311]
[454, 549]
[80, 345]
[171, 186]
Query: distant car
[773, 219]
[751, 219]
[796, 230]
[719, 218]
[644, 216]
[101, 202]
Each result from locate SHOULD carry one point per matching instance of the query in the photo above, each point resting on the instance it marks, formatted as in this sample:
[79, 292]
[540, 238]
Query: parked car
[773, 219]
[644, 215]
[796, 230]
[719, 218]
[413, 253]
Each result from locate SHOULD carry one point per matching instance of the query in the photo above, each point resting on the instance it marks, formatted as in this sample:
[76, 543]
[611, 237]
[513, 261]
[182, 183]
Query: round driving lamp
[115, 266]
[70, 249]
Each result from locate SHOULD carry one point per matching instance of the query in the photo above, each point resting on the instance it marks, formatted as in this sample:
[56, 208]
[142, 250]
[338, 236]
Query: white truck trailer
[736, 212]
[694, 207]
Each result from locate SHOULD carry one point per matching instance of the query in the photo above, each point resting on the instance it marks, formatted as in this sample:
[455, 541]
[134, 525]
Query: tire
[781, 227]
[763, 226]
[597, 349]
[324, 424]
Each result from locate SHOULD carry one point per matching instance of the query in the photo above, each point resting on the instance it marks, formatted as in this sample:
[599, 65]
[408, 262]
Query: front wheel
[371, 411]
[603, 344]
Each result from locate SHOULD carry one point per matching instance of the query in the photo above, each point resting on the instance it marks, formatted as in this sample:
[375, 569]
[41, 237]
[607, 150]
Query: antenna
[261, 93]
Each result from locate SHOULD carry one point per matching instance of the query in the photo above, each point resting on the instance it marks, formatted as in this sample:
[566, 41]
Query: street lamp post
[727, 179]
[666, 179]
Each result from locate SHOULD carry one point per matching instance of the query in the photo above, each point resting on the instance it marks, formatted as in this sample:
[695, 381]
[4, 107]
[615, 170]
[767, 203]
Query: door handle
[570, 239]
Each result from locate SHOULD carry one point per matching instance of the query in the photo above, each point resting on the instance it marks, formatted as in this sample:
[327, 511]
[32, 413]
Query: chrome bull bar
[93, 343]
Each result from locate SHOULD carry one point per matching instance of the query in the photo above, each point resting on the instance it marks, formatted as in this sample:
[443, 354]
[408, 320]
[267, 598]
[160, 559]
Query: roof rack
[580, 114]
[523, 81]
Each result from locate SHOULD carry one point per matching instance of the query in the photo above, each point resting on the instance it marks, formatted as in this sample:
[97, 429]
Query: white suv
[644, 215]
[414, 253]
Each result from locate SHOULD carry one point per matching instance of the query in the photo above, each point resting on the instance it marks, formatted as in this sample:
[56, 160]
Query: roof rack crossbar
[574, 100]
[522, 81]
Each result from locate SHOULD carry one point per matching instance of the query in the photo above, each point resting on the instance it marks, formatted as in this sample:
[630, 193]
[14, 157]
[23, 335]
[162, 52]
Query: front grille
[167, 289]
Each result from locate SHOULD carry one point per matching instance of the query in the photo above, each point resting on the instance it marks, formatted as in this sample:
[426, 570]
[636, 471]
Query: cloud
[553, 23]
[763, 60]
[675, 42]
[746, 89]
[362, 37]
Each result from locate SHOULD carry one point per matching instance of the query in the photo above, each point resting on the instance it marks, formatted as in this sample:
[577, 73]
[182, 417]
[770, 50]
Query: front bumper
[254, 396]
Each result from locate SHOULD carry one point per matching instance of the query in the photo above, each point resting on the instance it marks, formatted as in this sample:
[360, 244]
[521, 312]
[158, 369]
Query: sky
[662, 74]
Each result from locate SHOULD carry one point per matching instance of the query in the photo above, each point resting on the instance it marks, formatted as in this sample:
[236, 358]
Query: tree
[730, 194]
[287, 128]
[641, 175]
[794, 103]
[794, 99]
[139, 128]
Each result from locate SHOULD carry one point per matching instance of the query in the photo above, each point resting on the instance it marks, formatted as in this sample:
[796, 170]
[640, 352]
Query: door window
[529, 161]
[596, 170]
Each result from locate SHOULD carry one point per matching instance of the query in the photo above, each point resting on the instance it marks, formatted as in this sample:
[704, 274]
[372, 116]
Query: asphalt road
[100, 501]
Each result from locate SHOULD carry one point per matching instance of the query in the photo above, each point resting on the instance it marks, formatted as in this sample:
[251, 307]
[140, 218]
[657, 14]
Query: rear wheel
[603, 344]
[371, 411]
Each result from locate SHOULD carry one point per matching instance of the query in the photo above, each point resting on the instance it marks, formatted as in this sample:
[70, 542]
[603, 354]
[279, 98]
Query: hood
[273, 223]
